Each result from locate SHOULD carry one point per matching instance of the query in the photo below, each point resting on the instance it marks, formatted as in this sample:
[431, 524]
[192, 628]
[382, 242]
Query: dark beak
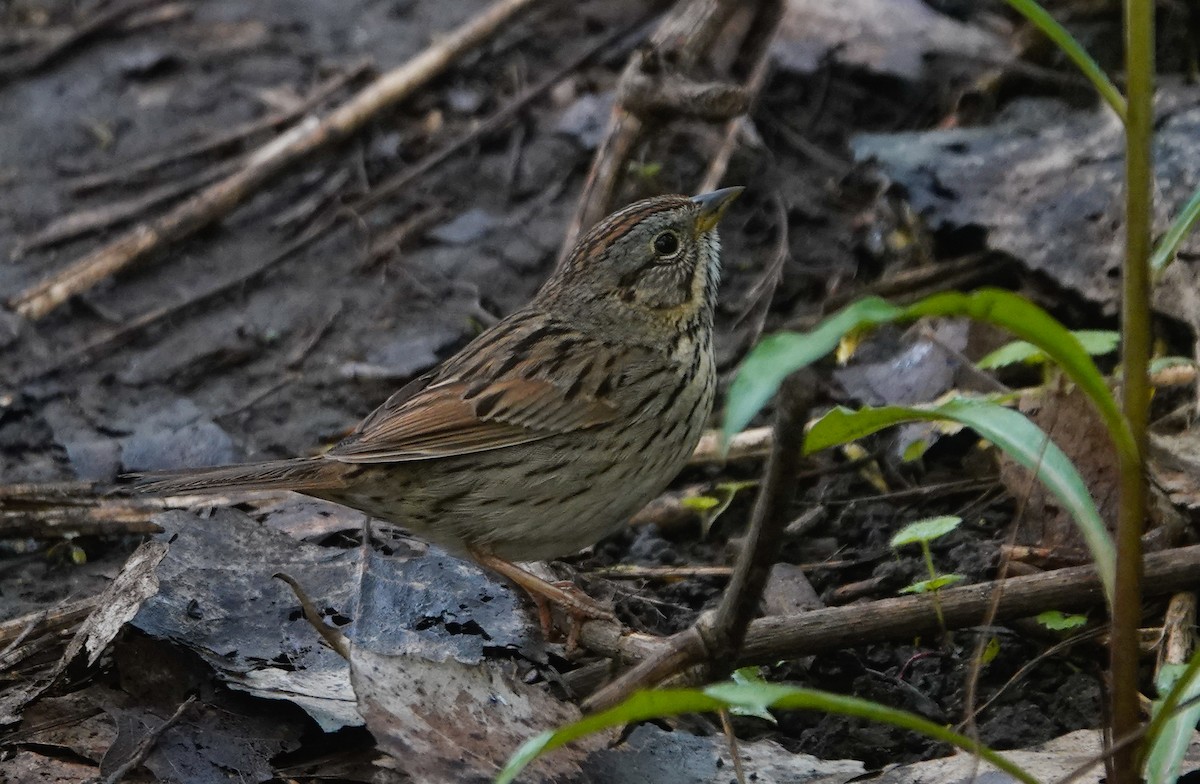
[713, 206]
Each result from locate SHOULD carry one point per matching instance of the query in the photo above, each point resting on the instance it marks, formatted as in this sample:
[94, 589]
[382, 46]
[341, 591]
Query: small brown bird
[551, 428]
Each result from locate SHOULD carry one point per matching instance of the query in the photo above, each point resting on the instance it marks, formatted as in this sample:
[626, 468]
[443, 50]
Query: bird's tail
[303, 474]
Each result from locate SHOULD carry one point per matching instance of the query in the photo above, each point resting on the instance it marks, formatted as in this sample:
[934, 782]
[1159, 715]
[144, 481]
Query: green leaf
[780, 355]
[699, 503]
[710, 507]
[1172, 734]
[1185, 221]
[1074, 50]
[926, 586]
[748, 696]
[925, 530]
[1096, 342]
[1029, 322]
[1162, 363]
[746, 676]
[990, 651]
[1009, 430]
[915, 450]
[1058, 621]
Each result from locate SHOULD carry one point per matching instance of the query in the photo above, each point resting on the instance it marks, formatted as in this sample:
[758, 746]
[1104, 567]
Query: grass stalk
[1135, 392]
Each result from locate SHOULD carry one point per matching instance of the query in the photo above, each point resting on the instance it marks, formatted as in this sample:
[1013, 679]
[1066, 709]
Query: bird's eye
[666, 244]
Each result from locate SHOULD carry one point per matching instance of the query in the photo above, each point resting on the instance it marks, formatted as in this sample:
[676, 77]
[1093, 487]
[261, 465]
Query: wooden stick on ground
[264, 164]
[685, 34]
[833, 628]
[122, 175]
[108, 18]
[770, 14]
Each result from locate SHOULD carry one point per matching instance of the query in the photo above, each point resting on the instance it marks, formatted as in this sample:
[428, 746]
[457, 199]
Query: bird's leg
[577, 604]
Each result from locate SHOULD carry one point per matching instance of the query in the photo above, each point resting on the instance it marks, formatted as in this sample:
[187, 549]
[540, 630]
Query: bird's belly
[538, 501]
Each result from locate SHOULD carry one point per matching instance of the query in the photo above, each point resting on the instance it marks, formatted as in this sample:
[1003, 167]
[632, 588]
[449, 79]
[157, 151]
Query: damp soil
[285, 362]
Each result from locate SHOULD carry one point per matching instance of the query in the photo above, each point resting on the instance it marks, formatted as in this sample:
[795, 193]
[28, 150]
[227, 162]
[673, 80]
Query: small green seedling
[710, 507]
[923, 532]
[990, 651]
[749, 676]
[645, 171]
[1058, 621]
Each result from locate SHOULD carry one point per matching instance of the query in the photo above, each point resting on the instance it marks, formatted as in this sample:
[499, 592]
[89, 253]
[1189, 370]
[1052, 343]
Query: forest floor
[915, 147]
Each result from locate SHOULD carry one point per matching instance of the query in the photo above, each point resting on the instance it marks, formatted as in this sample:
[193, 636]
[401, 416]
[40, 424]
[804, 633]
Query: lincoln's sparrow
[551, 428]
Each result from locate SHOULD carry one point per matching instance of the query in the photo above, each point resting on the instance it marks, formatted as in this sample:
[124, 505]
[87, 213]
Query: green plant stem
[1135, 360]
[1038, 17]
[937, 604]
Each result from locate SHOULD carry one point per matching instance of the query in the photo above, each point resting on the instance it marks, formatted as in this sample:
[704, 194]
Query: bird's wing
[498, 392]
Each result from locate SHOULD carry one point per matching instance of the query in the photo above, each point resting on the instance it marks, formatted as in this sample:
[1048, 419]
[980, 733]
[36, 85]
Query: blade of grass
[779, 355]
[753, 697]
[1043, 21]
[1170, 731]
[1182, 226]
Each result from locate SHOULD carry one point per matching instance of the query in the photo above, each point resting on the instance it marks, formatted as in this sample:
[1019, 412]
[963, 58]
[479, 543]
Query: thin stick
[263, 165]
[684, 35]
[495, 122]
[27, 62]
[63, 616]
[774, 638]
[147, 744]
[760, 549]
[770, 14]
[731, 736]
[179, 153]
[335, 638]
[91, 220]
[752, 443]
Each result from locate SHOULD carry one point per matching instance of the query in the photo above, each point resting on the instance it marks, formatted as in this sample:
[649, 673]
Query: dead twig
[774, 638]
[686, 32]
[43, 622]
[772, 513]
[1090, 635]
[495, 122]
[52, 511]
[665, 573]
[147, 745]
[263, 165]
[766, 25]
[753, 318]
[909, 285]
[395, 237]
[95, 219]
[123, 175]
[108, 18]
[748, 444]
[333, 637]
